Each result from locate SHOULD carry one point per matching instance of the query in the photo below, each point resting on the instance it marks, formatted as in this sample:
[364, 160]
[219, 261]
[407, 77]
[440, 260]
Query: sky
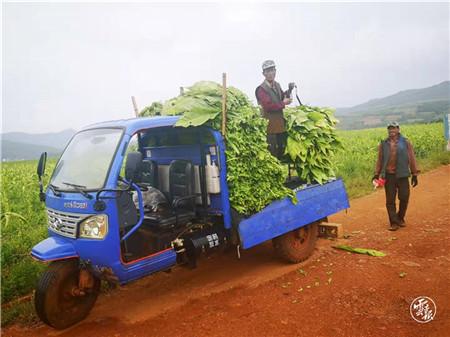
[67, 65]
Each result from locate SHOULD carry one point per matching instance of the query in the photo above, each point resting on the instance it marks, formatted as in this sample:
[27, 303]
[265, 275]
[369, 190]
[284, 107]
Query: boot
[393, 227]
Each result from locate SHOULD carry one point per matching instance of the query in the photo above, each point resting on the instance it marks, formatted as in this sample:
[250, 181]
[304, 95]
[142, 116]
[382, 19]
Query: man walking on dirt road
[396, 162]
[272, 100]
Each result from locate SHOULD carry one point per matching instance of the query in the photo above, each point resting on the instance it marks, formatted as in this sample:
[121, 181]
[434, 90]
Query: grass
[22, 312]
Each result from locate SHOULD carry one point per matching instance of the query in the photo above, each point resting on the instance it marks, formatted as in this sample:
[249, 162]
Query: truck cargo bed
[315, 202]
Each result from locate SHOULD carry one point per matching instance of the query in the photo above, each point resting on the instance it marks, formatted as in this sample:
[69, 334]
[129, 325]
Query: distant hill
[26, 146]
[409, 106]
[55, 139]
[13, 151]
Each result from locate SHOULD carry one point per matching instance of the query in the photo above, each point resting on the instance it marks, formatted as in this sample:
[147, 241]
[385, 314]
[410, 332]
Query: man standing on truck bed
[272, 101]
[396, 161]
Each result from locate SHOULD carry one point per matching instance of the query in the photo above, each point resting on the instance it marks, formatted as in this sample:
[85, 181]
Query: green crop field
[23, 221]
[23, 218]
[357, 162]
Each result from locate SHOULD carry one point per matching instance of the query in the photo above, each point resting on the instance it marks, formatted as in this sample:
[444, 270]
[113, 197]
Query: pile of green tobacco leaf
[202, 103]
[312, 142]
[255, 177]
[153, 110]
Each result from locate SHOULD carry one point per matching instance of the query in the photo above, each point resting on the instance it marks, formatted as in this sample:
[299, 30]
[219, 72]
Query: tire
[53, 299]
[297, 245]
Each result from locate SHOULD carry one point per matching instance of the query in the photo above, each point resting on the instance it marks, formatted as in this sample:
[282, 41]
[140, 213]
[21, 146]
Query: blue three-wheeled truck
[132, 197]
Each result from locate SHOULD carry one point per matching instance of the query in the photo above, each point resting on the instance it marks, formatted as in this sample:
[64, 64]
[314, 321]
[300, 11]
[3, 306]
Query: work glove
[375, 177]
[287, 100]
[414, 181]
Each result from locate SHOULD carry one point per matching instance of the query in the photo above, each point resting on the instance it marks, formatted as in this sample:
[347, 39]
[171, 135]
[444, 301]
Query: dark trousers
[392, 187]
[277, 144]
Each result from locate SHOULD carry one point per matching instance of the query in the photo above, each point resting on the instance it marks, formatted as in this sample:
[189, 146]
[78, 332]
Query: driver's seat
[181, 198]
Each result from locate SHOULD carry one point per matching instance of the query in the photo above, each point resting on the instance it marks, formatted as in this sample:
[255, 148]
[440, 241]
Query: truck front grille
[64, 223]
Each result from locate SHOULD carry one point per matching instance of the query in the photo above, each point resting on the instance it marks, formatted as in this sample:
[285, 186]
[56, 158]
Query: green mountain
[26, 146]
[409, 106]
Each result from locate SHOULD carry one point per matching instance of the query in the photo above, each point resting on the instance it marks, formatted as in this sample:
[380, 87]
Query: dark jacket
[271, 101]
[396, 158]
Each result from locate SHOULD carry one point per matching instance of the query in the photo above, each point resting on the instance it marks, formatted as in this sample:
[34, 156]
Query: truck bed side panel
[314, 203]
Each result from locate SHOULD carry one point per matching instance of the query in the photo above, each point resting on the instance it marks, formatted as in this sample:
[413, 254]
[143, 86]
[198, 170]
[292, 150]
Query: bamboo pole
[224, 103]
[136, 110]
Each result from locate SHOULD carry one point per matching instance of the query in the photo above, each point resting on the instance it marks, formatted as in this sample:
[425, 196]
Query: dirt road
[334, 293]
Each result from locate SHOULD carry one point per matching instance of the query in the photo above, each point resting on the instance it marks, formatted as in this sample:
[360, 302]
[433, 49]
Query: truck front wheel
[297, 245]
[58, 300]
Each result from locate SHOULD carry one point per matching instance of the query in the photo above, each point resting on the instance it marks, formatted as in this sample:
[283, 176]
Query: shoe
[402, 223]
[393, 227]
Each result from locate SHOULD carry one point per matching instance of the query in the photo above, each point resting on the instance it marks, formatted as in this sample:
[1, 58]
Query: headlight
[94, 227]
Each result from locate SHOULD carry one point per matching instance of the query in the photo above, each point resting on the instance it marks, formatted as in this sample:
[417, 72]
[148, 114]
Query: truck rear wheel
[57, 300]
[297, 245]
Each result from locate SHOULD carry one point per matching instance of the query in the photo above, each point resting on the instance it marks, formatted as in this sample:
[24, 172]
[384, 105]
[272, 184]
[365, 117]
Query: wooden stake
[224, 103]
[136, 110]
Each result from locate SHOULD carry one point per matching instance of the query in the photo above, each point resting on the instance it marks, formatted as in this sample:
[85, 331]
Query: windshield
[85, 162]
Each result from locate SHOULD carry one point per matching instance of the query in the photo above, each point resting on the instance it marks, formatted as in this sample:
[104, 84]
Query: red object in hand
[379, 182]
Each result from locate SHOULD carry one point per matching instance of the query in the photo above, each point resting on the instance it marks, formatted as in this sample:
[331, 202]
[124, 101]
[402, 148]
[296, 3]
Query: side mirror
[41, 165]
[40, 173]
[133, 166]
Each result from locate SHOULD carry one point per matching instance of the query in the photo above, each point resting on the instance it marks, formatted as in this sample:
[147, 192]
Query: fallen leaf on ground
[371, 252]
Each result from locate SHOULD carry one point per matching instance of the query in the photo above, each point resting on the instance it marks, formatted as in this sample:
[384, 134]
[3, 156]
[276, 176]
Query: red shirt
[266, 101]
